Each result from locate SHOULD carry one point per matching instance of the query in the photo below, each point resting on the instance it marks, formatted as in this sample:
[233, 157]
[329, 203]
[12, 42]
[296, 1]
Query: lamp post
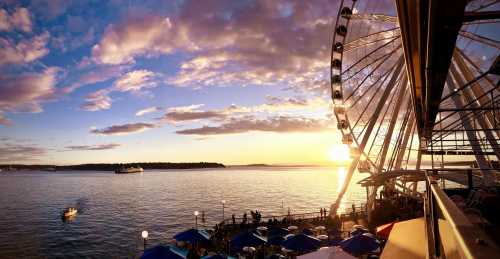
[223, 204]
[144, 235]
[196, 219]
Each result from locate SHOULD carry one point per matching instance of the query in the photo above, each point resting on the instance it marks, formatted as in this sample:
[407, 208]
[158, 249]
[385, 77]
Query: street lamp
[196, 219]
[144, 235]
[223, 203]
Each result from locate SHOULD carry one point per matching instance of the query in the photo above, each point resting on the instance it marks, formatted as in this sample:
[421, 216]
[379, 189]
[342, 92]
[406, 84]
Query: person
[234, 219]
[321, 213]
[244, 218]
[203, 216]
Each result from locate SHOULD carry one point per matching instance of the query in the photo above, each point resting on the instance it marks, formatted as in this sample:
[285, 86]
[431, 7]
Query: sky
[236, 82]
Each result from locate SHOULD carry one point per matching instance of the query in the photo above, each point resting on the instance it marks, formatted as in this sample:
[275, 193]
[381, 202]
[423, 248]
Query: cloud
[134, 81]
[4, 121]
[96, 101]
[147, 110]
[18, 153]
[19, 19]
[25, 51]
[232, 43]
[273, 104]
[95, 75]
[93, 147]
[122, 43]
[26, 92]
[190, 113]
[123, 129]
[248, 124]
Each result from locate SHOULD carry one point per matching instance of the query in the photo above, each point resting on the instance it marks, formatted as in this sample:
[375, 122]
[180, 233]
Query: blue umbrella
[275, 240]
[217, 256]
[193, 236]
[335, 241]
[247, 239]
[359, 231]
[164, 252]
[277, 232]
[307, 231]
[301, 243]
[360, 244]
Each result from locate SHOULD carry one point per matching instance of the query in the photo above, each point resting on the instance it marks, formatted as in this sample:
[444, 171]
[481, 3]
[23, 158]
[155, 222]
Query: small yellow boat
[70, 212]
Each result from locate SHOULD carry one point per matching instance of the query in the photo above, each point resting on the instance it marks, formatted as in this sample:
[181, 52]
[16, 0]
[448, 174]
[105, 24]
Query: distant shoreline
[112, 166]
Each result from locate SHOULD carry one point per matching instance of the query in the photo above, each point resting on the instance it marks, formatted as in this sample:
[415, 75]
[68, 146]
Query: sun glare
[339, 153]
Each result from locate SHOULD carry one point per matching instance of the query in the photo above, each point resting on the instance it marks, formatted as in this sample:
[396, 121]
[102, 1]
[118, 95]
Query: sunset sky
[235, 82]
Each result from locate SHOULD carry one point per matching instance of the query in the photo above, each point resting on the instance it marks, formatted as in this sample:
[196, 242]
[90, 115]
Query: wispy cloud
[20, 19]
[93, 147]
[123, 129]
[248, 124]
[24, 51]
[133, 81]
[147, 110]
[96, 101]
[15, 153]
[272, 105]
[258, 44]
[26, 92]
[190, 113]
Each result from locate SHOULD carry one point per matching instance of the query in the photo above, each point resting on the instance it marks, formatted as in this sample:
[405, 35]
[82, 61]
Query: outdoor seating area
[294, 241]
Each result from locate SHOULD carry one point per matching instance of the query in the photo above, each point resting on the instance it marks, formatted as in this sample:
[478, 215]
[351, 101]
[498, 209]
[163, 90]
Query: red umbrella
[385, 230]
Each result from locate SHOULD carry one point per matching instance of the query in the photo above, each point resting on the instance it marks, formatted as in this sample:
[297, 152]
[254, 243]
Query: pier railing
[359, 211]
[449, 231]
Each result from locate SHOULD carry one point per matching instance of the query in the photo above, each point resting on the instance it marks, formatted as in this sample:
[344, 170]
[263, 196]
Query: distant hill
[114, 166]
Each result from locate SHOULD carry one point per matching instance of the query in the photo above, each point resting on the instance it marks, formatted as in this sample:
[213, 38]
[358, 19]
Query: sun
[339, 153]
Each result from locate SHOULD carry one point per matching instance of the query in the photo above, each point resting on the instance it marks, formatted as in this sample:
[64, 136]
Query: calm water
[114, 209]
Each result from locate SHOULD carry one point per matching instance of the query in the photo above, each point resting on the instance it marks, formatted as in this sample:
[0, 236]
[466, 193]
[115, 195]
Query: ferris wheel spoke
[385, 75]
[358, 43]
[475, 66]
[481, 39]
[486, 5]
[489, 21]
[375, 92]
[369, 54]
[384, 58]
[374, 17]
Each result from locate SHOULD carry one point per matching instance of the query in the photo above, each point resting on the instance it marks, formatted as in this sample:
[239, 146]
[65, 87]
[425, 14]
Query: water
[114, 209]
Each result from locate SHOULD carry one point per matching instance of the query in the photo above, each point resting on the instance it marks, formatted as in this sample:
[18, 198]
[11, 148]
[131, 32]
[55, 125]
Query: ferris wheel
[375, 98]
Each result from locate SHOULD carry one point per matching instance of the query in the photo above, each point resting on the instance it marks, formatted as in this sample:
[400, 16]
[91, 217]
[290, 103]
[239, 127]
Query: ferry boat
[129, 170]
[70, 212]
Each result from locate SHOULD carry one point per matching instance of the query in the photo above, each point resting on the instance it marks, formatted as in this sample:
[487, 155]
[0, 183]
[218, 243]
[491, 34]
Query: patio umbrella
[358, 231]
[217, 256]
[307, 231]
[385, 230]
[247, 239]
[360, 244]
[335, 241]
[275, 240]
[277, 232]
[301, 243]
[193, 236]
[326, 253]
[164, 252]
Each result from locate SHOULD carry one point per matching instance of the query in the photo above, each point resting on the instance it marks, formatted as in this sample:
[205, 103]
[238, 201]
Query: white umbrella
[291, 228]
[332, 252]
[322, 237]
[320, 228]
[262, 228]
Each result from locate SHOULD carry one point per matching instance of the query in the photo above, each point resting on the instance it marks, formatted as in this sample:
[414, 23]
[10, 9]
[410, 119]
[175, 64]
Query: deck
[407, 240]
